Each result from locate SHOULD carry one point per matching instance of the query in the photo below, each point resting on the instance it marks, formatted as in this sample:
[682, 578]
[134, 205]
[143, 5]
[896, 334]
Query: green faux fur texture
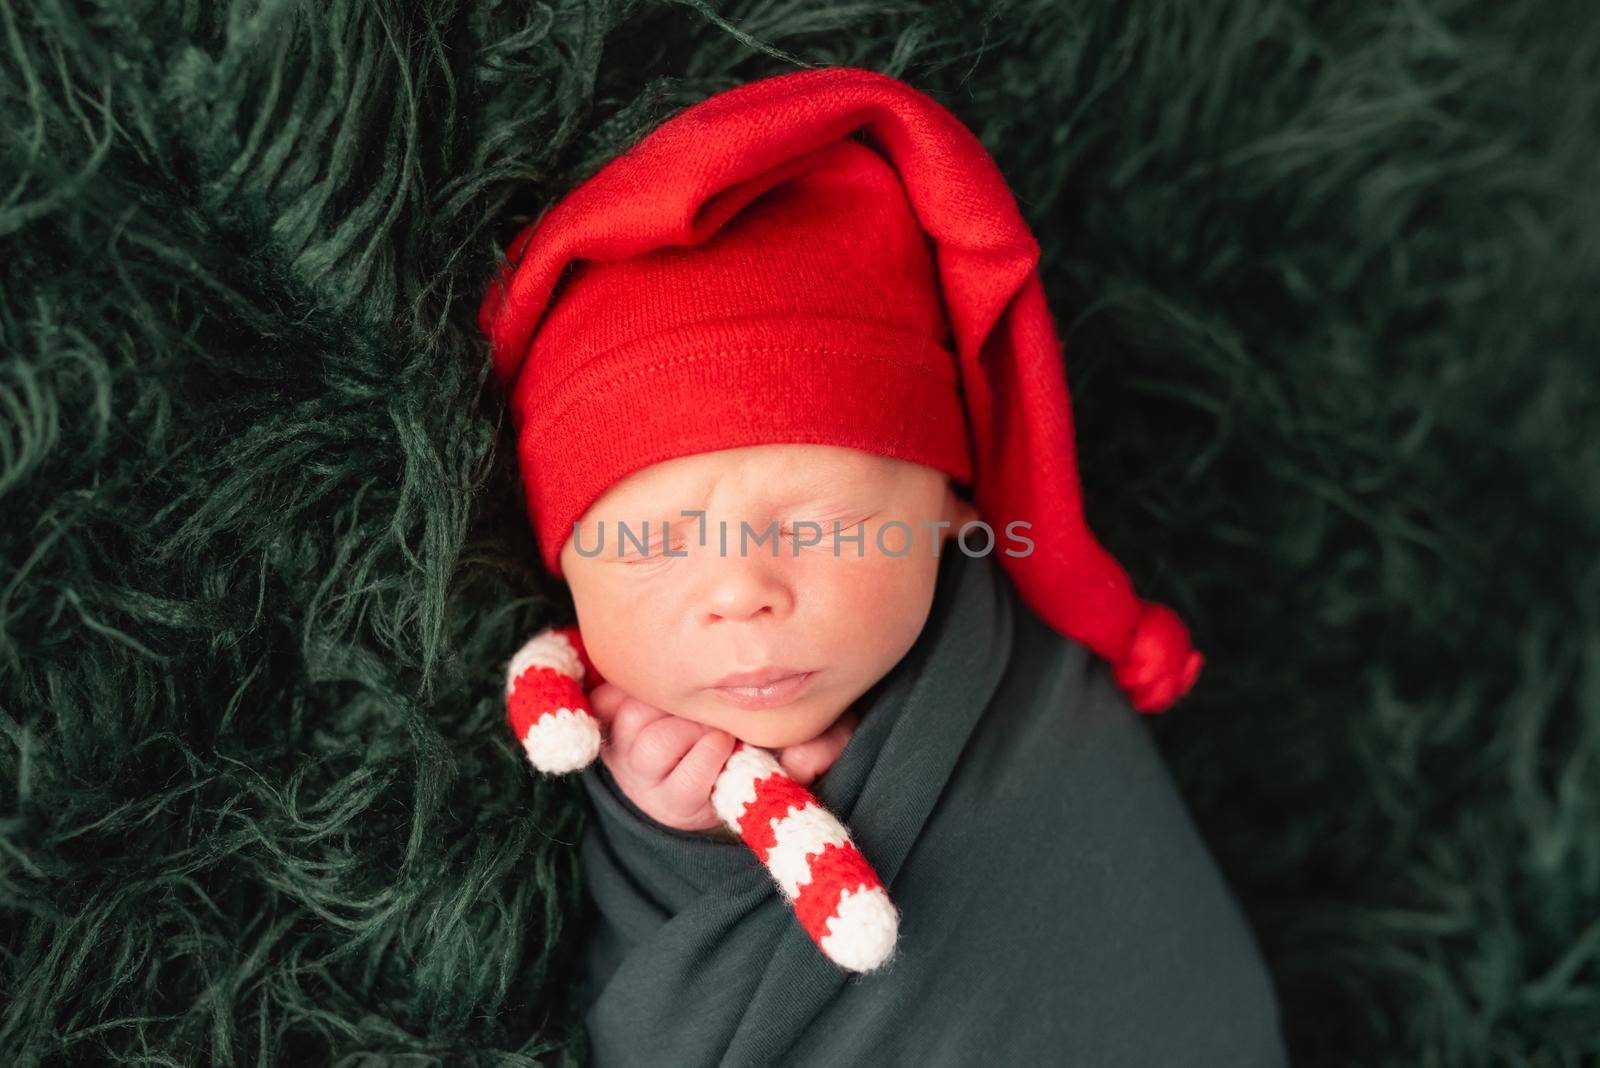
[1327, 274]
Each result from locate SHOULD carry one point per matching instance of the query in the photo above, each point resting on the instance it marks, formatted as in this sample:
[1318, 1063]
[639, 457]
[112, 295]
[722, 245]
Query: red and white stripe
[547, 702]
[836, 895]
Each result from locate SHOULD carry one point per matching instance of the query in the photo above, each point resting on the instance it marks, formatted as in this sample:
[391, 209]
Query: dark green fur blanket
[1327, 276]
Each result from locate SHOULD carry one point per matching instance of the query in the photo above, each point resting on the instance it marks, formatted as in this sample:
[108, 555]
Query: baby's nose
[745, 590]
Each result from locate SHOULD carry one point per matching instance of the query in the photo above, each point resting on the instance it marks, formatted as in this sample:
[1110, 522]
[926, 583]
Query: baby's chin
[772, 728]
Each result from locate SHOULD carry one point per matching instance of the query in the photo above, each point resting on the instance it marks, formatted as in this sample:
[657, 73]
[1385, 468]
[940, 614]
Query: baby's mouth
[770, 690]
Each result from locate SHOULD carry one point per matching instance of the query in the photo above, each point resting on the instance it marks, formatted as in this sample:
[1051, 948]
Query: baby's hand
[668, 765]
[806, 761]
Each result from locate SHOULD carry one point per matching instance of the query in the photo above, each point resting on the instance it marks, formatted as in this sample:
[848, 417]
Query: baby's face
[668, 629]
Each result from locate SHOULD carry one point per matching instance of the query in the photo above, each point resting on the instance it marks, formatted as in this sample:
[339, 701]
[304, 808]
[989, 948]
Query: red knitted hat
[825, 256]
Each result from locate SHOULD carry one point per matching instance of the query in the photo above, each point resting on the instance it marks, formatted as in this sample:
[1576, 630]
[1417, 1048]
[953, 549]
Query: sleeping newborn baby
[809, 307]
[1004, 789]
[772, 645]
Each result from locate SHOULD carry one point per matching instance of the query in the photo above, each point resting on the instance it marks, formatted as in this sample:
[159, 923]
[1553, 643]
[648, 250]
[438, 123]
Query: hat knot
[1159, 665]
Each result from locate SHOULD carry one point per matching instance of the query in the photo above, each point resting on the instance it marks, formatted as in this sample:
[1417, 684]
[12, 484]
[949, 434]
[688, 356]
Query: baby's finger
[632, 716]
[604, 700]
[689, 785]
[660, 744]
[806, 761]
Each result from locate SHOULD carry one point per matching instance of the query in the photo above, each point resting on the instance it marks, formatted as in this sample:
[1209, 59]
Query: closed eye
[823, 530]
[654, 554]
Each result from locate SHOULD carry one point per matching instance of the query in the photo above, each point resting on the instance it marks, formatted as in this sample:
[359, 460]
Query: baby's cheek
[622, 650]
[872, 610]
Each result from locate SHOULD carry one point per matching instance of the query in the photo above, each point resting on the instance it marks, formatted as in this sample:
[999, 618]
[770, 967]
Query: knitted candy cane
[836, 895]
